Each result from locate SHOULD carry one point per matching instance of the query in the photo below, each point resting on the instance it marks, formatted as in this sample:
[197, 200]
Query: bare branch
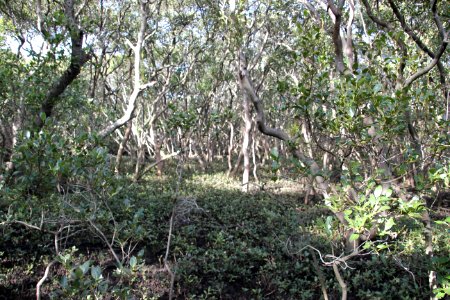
[42, 280]
[129, 43]
[102, 235]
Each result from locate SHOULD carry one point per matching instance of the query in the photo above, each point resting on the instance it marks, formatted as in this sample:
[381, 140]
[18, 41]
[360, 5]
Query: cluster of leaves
[88, 280]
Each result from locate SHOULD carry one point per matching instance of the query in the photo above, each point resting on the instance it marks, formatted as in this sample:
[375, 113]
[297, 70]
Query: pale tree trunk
[266, 146]
[254, 158]
[348, 39]
[160, 164]
[137, 86]
[198, 155]
[122, 145]
[245, 143]
[230, 149]
[209, 149]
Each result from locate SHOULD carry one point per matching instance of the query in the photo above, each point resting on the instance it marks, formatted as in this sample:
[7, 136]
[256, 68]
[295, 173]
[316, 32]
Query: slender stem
[340, 280]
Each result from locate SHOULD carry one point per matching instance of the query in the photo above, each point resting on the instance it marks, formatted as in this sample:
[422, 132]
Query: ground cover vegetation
[240, 149]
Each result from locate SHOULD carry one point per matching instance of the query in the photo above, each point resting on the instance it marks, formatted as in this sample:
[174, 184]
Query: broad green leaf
[388, 193]
[328, 225]
[85, 267]
[133, 262]
[377, 88]
[389, 223]
[354, 237]
[274, 153]
[63, 282]
[96, 272]
[378, 190]
[384, 208]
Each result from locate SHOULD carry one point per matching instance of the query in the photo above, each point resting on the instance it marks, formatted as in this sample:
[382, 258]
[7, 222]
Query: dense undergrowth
[225, 244]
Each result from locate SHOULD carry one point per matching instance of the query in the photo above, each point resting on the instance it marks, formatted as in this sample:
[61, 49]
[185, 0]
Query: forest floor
[225, 244]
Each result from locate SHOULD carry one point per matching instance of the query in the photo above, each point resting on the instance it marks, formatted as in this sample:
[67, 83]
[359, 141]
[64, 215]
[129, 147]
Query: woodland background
[197, 149]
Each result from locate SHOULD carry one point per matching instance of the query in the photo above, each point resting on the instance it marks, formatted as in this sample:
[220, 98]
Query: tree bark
[122, 145]
[139, 162]
[246, 142]
[230, 149]
[160, 164]
[77, 59]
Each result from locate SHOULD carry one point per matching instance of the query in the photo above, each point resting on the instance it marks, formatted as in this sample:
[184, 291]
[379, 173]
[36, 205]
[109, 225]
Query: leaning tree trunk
[77, 59]
[247, 85]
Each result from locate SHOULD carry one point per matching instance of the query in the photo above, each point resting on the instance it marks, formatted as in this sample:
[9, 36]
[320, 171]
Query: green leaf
[133, 262]
[441, 222]
[274, 153]
[64, 282]
[382, 246]
[377, 88]
[85, 267]
[389, 223]
[354, 237]
[328, 225]
[384, 208]
[141, 253]
[378, 191]
[96, 272]
[351, 112]
[388, 193]
[367, 245]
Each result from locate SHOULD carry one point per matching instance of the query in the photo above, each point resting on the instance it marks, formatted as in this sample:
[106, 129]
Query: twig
[102, 235]
[320, 275]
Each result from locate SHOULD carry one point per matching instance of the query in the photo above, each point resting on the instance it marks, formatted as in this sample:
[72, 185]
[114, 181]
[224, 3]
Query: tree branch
[247, 86]
[336, 36]
[77, 59]
[428, 68]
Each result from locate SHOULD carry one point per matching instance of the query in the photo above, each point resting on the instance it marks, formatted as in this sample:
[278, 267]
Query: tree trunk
[254, 158]
[122, 145]
[247, 85]
[230, 149]
[160, 164]
[77, 59]
[139, 162]
[246, 142]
